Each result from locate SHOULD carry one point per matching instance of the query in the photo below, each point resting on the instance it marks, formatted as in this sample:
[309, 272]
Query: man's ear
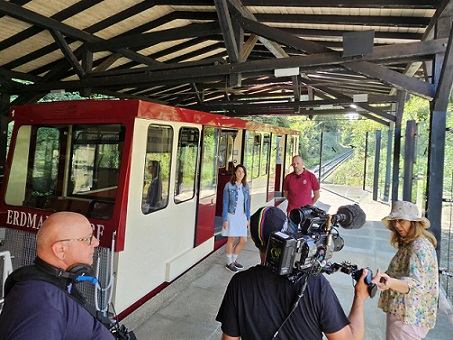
[59, 249]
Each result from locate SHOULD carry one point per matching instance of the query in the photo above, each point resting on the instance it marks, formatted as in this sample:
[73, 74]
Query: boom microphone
[350, 216]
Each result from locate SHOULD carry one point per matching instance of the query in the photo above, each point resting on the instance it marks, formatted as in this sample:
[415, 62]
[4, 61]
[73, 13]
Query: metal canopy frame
[221, 55]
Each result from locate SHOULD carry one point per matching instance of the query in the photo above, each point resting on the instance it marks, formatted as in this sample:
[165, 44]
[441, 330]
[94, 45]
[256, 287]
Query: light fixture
[286, 72]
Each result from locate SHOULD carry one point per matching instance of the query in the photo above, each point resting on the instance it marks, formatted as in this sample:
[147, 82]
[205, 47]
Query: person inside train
[42, 300]
[257, 303]
[236, 216]
[154, 193]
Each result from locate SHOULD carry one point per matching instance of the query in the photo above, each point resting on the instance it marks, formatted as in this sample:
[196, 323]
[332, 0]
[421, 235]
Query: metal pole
[364, 165]
[409, 160]
[388, 169]
[320, 155]
[377, 156]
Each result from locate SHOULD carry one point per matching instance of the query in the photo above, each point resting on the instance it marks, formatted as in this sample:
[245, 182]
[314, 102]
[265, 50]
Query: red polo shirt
[300, 189]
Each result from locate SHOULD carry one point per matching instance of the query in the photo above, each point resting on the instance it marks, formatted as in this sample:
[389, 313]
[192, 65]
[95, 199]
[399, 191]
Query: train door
[279, 165]
[230, 152]
[273, 164]
[256, 174]
[208, 184]
[289, 148]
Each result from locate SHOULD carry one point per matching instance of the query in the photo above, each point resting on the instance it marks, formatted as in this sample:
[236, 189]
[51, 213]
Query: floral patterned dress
[415, 263]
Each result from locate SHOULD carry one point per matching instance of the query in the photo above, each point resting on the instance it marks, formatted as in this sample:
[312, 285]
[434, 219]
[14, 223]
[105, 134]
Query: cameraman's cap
[403, 210]
[263, 223]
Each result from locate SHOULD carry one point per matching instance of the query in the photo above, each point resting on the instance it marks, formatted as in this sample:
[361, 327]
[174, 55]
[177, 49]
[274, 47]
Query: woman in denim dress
[236, 216]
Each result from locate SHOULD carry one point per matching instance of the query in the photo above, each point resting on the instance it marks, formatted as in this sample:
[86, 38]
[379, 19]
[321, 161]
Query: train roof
[107, 110]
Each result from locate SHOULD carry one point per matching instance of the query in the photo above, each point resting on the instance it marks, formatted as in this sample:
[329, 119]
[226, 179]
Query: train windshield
[66, 167]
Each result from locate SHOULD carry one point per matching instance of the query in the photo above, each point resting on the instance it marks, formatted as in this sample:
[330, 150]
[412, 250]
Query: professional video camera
[307, 251]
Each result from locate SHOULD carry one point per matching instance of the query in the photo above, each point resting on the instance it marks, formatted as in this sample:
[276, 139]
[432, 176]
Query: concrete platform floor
[187, 308]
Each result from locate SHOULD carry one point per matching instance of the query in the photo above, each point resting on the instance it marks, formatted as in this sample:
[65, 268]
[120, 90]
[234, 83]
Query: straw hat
[403, 210]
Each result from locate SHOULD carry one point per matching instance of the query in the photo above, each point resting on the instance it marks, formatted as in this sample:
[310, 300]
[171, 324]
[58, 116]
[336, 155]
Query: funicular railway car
[149, 177]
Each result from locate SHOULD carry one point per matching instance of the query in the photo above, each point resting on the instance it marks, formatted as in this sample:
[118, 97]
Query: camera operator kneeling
[260, 304]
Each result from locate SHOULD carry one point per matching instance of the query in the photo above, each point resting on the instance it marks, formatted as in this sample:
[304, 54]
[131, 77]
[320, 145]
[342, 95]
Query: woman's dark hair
[156, 168]
[233, 176]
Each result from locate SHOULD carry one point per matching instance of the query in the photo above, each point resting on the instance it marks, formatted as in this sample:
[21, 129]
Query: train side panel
[159, 246]
[143, 174]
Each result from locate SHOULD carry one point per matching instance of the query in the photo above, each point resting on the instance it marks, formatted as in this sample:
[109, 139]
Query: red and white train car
[104, 159]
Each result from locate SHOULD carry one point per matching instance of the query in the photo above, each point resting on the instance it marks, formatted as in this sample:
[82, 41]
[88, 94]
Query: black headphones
[76, 272]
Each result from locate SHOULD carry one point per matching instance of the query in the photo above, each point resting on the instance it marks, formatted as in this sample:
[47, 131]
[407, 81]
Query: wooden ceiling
[238, 58]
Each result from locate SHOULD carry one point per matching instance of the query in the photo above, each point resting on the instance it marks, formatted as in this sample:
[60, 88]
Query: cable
[296, 303]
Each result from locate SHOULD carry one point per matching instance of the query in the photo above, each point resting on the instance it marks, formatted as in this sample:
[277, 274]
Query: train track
[331, 165]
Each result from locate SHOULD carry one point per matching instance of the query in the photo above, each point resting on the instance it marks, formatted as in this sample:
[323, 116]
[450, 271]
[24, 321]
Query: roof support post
[436, 153]
[377, 157]
[388, 170]
[397, 144]
[409, 159]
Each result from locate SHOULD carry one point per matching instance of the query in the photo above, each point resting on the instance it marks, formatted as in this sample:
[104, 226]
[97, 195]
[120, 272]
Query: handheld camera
[307, 251]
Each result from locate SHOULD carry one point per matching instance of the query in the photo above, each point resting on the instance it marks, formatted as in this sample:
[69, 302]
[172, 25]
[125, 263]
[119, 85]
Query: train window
[186, 167]
[248, 151]
[156, 175]
[34, 169]
[96, 155]
[274, 167]
[265, 154]
[289, 153]
[94, 169]
[226, 148]
[256, 156]
[66, 167]
[208, 170]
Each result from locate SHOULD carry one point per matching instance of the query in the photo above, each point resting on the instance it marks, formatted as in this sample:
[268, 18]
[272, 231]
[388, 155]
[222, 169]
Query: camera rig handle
[351, 269]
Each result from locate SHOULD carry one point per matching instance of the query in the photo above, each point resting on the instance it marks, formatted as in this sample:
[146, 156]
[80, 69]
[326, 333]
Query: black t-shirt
[257, 302]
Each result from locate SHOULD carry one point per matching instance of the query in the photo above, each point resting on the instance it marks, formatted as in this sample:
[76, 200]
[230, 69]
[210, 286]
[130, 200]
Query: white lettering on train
[98, 230]
[34, 221]
[27, 220]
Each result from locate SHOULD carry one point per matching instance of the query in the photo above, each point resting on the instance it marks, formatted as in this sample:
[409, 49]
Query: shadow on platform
[187, 308]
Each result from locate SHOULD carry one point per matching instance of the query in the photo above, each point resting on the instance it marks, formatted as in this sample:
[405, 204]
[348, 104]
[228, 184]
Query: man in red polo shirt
[301, 187]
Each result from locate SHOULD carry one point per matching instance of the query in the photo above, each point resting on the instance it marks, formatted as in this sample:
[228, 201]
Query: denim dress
[237, 221]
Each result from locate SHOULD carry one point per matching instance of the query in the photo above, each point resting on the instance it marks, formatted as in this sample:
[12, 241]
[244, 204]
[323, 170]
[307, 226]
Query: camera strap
[300, 293]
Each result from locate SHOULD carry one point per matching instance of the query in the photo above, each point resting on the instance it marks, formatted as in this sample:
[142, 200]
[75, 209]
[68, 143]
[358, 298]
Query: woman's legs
[229, 245]
[237, 250]
[229, 250]
[233, 251]
[239, 245]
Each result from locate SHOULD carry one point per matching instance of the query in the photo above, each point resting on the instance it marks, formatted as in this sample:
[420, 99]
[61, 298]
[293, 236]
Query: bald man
[301, 187]
[42, 301]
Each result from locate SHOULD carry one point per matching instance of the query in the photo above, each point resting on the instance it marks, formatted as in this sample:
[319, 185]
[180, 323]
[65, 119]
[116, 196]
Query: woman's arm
[226, 197]
[387, 282]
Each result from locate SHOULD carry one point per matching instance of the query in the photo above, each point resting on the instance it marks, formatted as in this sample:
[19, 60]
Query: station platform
[188, 307]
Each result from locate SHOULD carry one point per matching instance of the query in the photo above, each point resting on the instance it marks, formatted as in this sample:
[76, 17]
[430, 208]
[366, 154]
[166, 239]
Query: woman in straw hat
[410, 289]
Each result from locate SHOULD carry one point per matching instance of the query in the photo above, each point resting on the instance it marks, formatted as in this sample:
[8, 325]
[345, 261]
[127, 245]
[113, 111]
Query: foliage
[64, 96]
[416, 108]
